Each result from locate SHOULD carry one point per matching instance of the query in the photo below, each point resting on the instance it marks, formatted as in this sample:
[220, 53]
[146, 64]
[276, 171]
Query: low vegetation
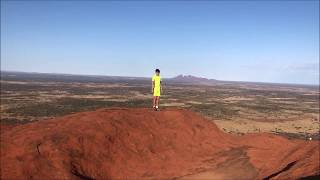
[37, 98]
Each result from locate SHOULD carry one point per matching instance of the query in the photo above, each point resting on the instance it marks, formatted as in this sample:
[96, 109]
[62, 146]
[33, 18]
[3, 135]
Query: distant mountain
[192, 79]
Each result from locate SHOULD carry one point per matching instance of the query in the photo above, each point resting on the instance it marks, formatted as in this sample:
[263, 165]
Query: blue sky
[275, 41]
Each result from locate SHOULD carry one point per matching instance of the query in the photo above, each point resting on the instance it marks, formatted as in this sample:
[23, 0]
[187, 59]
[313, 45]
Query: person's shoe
[157, 108]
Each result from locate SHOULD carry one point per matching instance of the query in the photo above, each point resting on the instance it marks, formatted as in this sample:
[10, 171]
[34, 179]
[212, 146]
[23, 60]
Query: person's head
[157, 72]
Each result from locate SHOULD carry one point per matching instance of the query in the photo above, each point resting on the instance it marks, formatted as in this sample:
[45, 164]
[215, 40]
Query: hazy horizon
[147, 77]
[272, 42]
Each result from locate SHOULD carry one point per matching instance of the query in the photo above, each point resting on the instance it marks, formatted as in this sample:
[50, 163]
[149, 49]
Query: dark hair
[157, 70]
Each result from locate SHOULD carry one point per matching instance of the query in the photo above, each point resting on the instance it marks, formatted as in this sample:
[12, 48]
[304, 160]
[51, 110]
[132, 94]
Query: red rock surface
[144, 144]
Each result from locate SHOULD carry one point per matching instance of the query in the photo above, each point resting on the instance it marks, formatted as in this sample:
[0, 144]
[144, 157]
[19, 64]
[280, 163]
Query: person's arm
[161, 87]
[152, 86]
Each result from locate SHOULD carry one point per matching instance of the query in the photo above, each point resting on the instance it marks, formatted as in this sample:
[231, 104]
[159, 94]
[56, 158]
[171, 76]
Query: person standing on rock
[156, 89]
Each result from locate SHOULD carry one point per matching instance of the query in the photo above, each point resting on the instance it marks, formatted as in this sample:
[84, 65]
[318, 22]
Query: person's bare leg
[154, 101]
[158, 99]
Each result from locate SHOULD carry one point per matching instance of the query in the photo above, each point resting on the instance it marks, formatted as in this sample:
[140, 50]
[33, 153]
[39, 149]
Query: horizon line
[34, 72]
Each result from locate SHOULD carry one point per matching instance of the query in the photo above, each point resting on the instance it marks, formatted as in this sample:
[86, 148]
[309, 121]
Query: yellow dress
[157, 81]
